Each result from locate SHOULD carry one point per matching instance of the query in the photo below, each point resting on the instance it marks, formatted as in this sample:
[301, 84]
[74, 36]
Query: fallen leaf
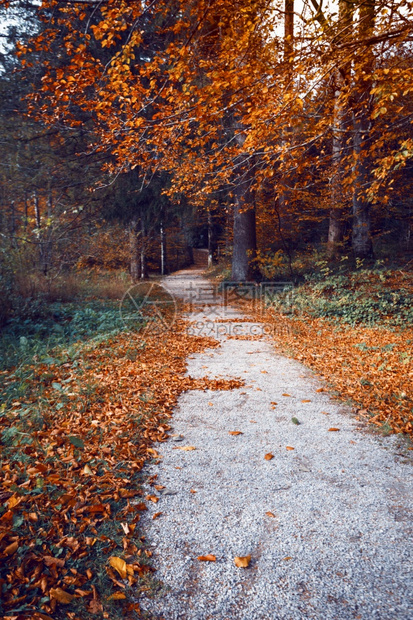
[253, 422]
[289, 448]
[286, 394]
[156, 515]
[295, 421]
[125, 528]
[14, 501]
[185, 448]
[269, 456]
[117, 596]
[11, 548]
[242, 562]
[320, 390]
[61, 595]
[333, 429]
[153, 452]
[270, 514]
[287, 558]
[325, 412]
[207, 558]
[49, 560]
[273, 402]
[152, 498]
[140, 506]
[192, 491]
[306, 400]
[235, 433]
[87, 470]
[121, 567]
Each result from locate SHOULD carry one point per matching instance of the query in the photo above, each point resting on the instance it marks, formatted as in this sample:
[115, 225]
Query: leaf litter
[70, 481]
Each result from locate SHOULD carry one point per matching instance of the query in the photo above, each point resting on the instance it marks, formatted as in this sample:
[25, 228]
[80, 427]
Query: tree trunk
[143, 261]
[211, 240]
[340, 203]
[361, 239]
[245, 240]
[163, 248]
[134, 250]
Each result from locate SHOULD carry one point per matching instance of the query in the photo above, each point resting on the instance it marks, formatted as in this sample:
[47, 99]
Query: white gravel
[340, 543]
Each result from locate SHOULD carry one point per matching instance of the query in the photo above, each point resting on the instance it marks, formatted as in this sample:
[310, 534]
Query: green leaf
[295, 421]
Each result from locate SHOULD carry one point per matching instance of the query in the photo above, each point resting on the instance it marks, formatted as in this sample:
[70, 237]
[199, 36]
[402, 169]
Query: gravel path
[339, 543]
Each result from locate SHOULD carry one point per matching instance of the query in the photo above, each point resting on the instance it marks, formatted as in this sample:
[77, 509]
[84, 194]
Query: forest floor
[272, 499]
[235, 443]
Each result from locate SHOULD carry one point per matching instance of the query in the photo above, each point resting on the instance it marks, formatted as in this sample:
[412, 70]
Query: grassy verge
[356, 329]
[78, 419]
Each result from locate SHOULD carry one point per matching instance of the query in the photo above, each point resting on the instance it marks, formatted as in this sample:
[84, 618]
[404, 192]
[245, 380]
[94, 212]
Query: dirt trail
[337, 543]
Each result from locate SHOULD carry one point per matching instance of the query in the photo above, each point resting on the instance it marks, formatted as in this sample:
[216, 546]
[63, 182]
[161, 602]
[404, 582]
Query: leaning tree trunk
[361, 239]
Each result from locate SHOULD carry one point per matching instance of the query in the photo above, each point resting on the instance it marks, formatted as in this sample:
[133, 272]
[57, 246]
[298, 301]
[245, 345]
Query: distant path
[340, 543]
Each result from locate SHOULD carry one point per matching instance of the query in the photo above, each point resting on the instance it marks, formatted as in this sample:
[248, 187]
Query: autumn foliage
[73, 468]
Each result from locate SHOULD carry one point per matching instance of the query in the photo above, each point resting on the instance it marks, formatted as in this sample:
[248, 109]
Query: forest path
[340, 541]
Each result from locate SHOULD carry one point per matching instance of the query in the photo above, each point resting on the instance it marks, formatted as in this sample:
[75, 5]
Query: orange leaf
[333, 429]
[306, 400]
[117, 596]
[156, 515]
[11, 548]
[289, 448]
[242, 562]
[152, 498]
[184, 448]
[270, 514]
[14, 501]
[207, 558]
[61, 595]
[286, 394]
[235, 433]
[269, 456]
[120, 566]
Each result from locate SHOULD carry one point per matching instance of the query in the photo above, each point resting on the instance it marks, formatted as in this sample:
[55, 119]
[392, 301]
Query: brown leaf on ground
[268, 456]
[289, 448]
[333, 429]
[157, 514]
[152, 498]
[117, 596]
[207, 558]
[270, 514]
[235, 432]
[184, 448]
[61, 595]
[242, 562]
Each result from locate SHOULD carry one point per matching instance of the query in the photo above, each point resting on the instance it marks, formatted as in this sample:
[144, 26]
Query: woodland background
[278, 136]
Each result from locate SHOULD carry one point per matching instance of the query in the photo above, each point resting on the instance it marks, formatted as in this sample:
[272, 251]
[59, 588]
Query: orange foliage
[86, 454]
